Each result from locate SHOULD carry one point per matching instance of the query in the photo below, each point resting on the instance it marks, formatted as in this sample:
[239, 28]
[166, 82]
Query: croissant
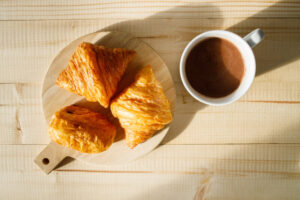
[142, 108]
[95, 71]
[81, 129]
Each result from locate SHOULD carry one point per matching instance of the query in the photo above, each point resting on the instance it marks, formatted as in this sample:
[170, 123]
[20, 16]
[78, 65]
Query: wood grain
[278, 83]
[215, 153]
[43, 10]
[168, 37]
[217, 171]
[250, 120]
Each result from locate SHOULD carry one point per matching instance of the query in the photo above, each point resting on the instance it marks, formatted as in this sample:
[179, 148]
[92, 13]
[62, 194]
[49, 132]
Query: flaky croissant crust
[142, 108]
[95, 71]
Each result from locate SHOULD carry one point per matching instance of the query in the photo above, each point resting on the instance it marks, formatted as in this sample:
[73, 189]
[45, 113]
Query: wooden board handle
[50, 157]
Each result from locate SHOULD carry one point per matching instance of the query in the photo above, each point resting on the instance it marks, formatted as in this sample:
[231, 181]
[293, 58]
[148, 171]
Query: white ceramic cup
[244, 45]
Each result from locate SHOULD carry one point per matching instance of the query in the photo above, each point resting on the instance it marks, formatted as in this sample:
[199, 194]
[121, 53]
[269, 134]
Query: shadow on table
[275, 51]
[177, 32]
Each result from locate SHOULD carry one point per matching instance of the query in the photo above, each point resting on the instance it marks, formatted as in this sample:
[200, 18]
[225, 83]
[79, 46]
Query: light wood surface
[55, 98]
[247, 150]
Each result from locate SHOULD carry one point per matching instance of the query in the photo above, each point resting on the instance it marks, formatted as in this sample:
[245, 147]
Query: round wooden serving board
[55, 98]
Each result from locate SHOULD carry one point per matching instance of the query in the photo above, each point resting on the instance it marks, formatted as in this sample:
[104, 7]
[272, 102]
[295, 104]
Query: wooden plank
[38, 42]
[61, 185]
[80, 9]
[10, 96]
[22, 119]
[242, 122]
[270, 88]
[22, 125]
[20, 94]
[279, 86]
[171, 171]
[10, 131]
[266, 89]
[253, 119]
[193, 159]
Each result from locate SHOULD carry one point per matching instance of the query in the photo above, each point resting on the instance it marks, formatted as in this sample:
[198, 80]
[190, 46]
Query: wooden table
[246, 150]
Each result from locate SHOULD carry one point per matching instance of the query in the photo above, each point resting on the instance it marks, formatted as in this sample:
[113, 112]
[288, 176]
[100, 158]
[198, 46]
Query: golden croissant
[95, 71]
[81, 129]
[142, 108]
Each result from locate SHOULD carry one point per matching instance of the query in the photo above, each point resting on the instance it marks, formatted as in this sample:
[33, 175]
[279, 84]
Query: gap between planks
[121, 19]
[182, 144]
[180, 172]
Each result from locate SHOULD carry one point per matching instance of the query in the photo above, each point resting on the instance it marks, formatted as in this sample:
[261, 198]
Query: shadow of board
[170, 31]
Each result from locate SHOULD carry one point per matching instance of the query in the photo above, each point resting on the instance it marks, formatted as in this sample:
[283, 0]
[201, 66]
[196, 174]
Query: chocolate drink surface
[215, 67]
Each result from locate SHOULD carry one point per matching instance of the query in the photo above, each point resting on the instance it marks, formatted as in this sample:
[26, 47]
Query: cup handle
[255, 37]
